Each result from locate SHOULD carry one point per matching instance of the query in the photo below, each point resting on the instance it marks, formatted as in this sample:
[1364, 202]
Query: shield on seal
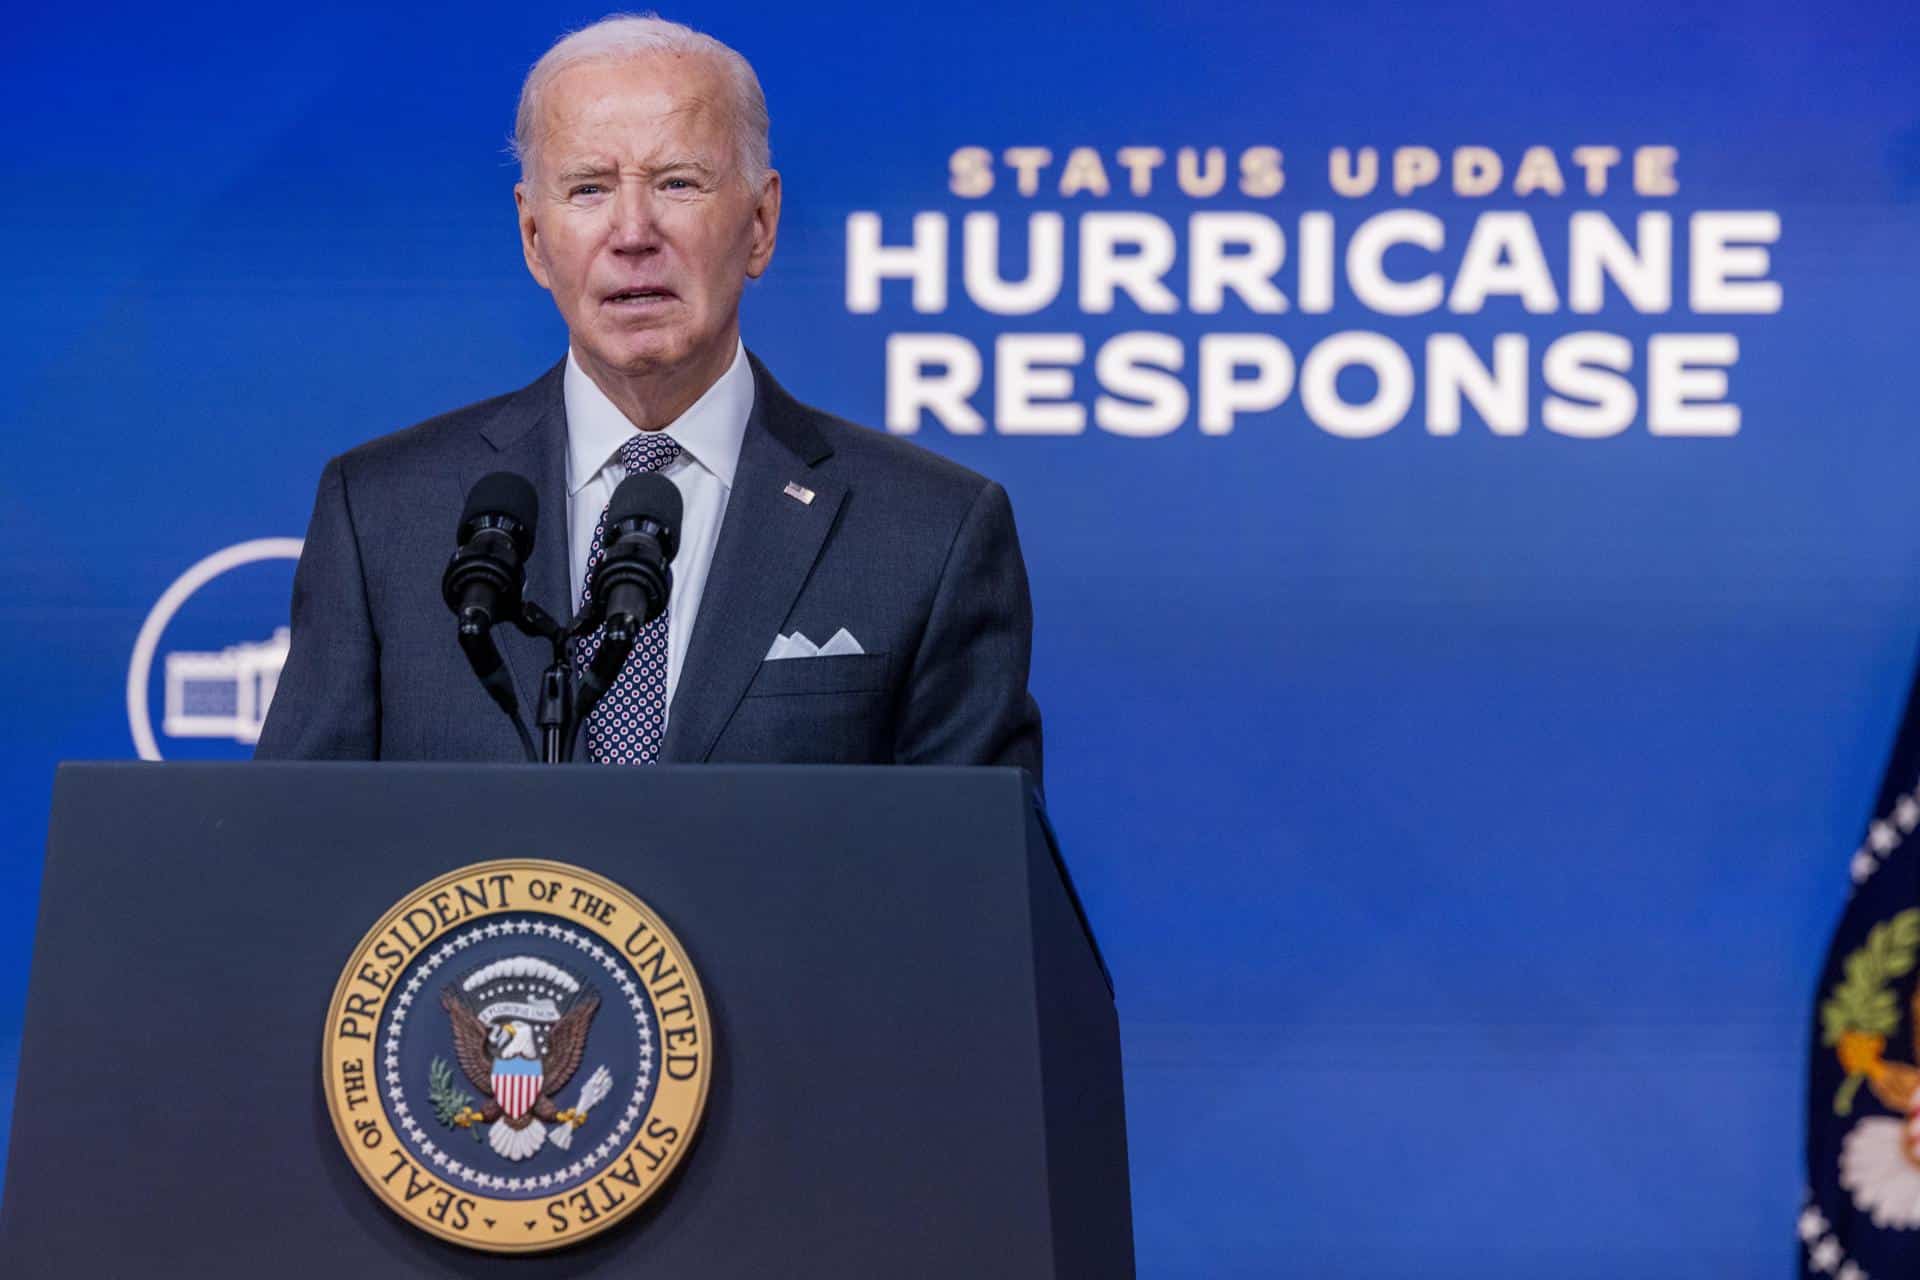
[516, 1084]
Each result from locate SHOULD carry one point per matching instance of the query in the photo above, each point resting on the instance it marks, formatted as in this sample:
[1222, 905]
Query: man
[892, 577]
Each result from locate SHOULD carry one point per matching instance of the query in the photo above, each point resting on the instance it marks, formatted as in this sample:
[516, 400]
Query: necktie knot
[648, 451]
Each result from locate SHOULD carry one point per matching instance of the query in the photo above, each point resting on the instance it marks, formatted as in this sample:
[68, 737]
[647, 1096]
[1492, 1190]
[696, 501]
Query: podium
[915, 1069]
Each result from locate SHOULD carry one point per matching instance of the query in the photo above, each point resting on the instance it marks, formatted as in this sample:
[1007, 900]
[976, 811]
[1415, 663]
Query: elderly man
[838, 595]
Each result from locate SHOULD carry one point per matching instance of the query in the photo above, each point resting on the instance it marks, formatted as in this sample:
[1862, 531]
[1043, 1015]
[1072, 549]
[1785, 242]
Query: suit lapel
[767, 547]
[529, 437]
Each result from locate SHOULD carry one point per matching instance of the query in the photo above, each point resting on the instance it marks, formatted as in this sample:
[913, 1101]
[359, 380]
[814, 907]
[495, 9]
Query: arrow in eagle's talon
[598, 1086]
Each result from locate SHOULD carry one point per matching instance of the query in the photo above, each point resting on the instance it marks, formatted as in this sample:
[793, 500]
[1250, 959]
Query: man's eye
[586, 189]
[679, 184]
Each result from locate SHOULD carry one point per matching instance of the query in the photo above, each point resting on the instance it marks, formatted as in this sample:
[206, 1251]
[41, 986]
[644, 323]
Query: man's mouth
[639, 297]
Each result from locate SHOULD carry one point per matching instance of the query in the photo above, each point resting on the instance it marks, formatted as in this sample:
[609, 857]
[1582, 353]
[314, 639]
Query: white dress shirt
[709, 435]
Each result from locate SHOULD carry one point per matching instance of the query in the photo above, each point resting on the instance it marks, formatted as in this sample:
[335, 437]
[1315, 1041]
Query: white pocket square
[798, 646]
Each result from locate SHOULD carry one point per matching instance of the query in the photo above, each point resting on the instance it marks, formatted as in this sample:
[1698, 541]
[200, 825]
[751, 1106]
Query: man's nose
[634, 227]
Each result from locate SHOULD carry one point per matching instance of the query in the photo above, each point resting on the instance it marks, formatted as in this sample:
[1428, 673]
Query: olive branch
[449, 1100]
[1861, 1001]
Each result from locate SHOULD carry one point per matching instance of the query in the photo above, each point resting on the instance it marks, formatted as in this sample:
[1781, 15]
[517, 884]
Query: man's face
[635, 216]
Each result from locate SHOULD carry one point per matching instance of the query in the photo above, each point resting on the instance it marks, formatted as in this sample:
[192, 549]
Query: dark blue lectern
[917, 1066]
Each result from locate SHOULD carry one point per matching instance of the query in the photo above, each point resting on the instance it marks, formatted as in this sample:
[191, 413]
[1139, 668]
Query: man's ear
[766, 225]
[530, 235]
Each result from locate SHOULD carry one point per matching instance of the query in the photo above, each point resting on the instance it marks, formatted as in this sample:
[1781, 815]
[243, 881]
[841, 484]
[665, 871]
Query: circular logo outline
[147, 643]
[352, 1070]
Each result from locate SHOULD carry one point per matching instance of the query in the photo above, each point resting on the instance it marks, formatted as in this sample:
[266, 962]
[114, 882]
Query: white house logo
[224, 694]
[209, 693]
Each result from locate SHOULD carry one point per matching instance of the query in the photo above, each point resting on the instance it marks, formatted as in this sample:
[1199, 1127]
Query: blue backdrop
[1463, 815]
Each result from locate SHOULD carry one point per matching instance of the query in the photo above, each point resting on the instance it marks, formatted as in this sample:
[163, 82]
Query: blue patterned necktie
[626, 725]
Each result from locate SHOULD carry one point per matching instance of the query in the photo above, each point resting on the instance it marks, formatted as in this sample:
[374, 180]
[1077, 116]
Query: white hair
[621, 36]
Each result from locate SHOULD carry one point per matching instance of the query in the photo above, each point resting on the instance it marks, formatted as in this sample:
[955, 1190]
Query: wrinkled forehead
[645, 109]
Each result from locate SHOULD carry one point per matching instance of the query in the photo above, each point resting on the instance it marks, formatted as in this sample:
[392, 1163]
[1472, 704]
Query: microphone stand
[566, 695]
[555, 714]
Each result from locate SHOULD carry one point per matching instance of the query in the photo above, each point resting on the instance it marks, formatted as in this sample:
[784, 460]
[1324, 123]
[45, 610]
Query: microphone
[485, 580]
[632, 582]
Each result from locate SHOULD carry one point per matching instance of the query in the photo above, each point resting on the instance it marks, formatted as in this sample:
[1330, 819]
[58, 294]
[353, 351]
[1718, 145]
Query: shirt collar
[709, 432]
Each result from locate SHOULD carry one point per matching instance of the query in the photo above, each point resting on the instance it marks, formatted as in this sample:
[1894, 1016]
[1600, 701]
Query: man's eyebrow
[688, 165]
[578, 170]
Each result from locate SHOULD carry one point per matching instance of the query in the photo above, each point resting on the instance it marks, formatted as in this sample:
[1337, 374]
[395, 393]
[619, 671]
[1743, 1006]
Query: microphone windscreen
[651, 497]
[503, 494]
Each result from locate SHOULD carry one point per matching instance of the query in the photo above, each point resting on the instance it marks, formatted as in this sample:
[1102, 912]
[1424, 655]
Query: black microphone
[632, 581]
[487, 577]
[488, 572]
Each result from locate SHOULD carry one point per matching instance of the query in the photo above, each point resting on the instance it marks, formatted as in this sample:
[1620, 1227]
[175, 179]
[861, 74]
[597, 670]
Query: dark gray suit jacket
[913, 554]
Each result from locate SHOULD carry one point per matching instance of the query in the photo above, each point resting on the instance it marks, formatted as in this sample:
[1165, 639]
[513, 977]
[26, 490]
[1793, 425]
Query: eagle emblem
[519, 1034]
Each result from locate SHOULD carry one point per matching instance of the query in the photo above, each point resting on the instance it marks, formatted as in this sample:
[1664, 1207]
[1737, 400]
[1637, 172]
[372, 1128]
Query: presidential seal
[517, 1055]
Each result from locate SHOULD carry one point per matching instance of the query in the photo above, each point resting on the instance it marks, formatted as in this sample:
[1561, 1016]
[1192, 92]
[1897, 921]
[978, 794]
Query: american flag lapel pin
[799, 493]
